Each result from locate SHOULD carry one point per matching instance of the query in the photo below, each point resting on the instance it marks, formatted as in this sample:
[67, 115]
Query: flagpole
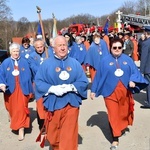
[43, 34]
[54, 34]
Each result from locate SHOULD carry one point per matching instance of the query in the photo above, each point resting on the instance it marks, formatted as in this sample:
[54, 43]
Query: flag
[39, 29]
[106, 26]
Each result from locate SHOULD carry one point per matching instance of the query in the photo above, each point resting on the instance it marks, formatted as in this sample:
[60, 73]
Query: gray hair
[14, 46]
[54, 40]
[77, 38]
[37, 40]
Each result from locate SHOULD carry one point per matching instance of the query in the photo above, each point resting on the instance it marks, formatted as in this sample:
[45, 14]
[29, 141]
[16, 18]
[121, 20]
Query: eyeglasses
[115, 47]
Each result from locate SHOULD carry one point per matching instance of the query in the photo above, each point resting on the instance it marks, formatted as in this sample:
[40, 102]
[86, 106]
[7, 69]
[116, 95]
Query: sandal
[21, 134]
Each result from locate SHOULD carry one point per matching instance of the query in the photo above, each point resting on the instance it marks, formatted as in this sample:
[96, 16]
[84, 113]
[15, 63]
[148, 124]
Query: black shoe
[145, 107]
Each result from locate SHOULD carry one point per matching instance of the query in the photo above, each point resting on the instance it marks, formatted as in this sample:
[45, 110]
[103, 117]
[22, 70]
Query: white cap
[39, 36]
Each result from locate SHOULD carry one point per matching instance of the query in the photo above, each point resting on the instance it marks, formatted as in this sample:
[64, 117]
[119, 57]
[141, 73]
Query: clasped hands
[59, 90]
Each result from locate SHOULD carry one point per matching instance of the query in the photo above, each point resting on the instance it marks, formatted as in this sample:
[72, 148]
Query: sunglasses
[115, 47]
[25, 44]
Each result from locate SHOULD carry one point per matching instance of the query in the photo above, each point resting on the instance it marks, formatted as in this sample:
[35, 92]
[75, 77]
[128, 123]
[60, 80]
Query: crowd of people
[54, 73]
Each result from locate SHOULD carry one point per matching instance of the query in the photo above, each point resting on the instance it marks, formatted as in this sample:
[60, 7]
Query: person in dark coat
[145, 64]
[128, 45]
[141, 40]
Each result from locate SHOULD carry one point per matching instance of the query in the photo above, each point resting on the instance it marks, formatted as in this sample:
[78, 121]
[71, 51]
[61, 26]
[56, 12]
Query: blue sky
[62, 8]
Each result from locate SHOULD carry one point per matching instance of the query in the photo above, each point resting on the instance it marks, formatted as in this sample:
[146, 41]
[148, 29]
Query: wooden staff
[43, 34]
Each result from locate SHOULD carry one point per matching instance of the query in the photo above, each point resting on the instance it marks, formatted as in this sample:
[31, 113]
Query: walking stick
[43, 34]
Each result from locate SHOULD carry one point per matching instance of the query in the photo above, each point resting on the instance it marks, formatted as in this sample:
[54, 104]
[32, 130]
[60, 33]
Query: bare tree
[128, 7]
[48, 25]
[5, 11]
[147, 7]
[23, 26]
[5, 18]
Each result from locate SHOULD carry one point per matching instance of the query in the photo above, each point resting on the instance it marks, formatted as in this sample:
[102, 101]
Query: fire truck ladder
[136, 20]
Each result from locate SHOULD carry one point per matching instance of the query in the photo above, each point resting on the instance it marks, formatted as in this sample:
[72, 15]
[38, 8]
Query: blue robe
[2, 81]
[48, 75]
[51, 52]
[79, 53]
[71, 50]
[35, 60]
[96, 53]
[105, 80]
[26, 51]
[24, 76]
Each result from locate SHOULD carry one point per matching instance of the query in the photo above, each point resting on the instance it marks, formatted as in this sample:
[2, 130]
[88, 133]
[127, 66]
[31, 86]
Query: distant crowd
[54, 72]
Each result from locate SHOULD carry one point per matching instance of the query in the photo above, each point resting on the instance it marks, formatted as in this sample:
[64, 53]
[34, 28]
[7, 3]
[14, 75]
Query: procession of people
[56, 74]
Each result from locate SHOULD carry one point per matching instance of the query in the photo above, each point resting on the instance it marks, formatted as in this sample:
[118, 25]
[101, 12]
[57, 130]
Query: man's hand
[92, 95]
[131, 84]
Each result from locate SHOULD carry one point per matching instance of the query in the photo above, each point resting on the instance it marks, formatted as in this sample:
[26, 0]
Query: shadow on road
[79, 139]
[101, 120]
[140, 97]
[33, 116]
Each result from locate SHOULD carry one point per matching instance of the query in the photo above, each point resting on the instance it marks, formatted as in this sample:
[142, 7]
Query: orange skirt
[120, 109]
[62, 130]
[17, 106]
[40, 108]
[135, 55]
[92, 73]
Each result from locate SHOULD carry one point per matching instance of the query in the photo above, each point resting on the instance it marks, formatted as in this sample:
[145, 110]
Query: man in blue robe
[38, 56]
[98, 50]
[80, 50]
[35, 60]
[63, 84]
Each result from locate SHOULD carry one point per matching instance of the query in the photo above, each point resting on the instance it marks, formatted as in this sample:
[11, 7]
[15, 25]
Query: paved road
[94, 133]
